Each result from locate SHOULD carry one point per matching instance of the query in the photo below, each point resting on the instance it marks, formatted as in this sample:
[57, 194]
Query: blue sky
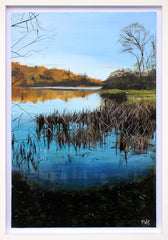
[85, 42]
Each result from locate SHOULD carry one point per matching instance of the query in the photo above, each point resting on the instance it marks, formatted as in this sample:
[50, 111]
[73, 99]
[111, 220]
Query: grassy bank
[126, 205]
[130, 96]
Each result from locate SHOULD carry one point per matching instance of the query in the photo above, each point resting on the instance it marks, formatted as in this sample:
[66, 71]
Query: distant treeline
[123, 79]
[23, 75]
[127, 79]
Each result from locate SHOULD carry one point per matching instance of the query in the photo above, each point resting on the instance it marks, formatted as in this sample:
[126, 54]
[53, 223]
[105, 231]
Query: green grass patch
[133, 96]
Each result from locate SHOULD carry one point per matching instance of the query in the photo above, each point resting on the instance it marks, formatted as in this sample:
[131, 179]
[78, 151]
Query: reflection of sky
[69, 88]
[66, 167]
[90, 103]
[23, 114]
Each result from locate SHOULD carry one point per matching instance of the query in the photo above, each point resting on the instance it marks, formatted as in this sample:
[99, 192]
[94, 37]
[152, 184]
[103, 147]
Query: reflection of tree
[22, 94]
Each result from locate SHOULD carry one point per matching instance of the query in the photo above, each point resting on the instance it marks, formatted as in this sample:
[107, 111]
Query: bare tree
[26, 31]
[135, 40]
[150, 60]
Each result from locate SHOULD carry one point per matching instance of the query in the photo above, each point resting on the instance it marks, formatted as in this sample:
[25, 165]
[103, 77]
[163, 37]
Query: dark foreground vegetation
[131, 204]
[127, 79]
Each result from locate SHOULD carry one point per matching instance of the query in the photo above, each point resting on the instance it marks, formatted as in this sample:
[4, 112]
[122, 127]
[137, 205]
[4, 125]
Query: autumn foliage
[23, 75]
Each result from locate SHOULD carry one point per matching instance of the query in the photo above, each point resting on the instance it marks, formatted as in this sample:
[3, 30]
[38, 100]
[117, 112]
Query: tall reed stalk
[135, 125]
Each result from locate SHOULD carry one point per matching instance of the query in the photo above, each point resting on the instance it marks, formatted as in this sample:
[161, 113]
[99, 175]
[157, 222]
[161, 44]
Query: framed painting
[84, 93]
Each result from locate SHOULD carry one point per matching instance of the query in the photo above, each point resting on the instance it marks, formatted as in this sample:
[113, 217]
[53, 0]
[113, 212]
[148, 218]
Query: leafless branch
[31, 33]
[25, 21]
[134, 40]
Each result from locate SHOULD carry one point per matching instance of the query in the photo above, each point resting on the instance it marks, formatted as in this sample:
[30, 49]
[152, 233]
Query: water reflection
[30, 94]
[73, 153]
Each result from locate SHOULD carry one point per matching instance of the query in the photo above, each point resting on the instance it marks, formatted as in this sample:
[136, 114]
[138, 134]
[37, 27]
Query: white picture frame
[159, 233]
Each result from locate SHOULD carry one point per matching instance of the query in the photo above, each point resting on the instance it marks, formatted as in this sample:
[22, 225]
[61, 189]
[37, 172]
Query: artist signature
[145, 222]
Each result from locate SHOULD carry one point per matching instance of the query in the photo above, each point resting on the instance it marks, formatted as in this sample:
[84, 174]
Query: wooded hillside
[23, 75]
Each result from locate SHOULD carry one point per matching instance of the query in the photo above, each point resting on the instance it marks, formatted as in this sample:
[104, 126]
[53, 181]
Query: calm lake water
[66, 167]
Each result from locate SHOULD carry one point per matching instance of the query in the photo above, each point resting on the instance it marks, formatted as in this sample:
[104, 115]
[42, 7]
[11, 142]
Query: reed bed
[135, 126]
[24, 154]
